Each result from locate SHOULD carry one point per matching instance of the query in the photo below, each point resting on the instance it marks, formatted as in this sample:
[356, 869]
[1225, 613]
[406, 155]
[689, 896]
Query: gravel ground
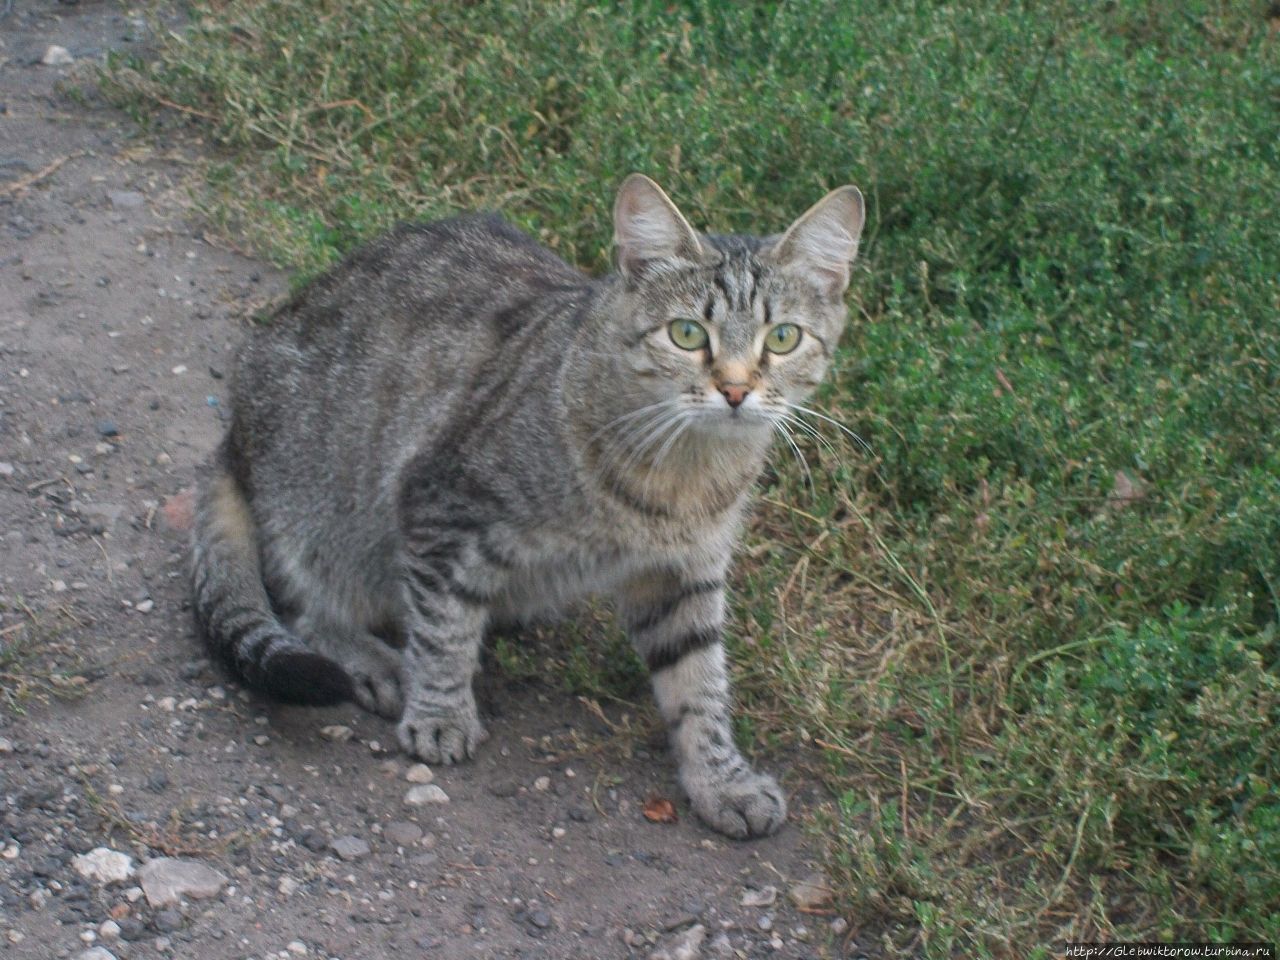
[150, 807]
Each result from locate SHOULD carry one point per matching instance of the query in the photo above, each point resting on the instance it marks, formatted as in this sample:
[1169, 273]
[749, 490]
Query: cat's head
[725, 332]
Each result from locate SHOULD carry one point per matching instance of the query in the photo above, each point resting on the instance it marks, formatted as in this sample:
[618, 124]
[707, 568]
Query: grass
[1029, 641]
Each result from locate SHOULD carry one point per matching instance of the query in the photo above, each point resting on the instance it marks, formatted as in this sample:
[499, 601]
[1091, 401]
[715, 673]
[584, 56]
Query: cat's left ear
[647, 228]
[822, 244]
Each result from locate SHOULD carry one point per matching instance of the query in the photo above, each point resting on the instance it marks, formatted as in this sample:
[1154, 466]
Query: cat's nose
[735, 393]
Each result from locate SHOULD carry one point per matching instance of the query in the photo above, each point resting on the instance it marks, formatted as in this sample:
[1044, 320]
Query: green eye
[782, 339]
[688, 334]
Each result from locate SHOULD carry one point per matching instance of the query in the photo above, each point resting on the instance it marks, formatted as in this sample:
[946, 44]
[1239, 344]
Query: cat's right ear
[648, 229]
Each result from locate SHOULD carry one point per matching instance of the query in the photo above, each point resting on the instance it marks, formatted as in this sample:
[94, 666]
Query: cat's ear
[823, 243]
[647, 227]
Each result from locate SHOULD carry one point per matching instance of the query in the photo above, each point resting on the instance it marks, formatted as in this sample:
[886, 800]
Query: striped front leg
[675, 622]
[448, 610]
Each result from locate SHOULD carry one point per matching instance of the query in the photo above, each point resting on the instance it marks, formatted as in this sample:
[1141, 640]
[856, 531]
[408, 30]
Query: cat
[453, 429]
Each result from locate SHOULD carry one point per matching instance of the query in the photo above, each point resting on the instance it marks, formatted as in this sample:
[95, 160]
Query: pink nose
[735, 393]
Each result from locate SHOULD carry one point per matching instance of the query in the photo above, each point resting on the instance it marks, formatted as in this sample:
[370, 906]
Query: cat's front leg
[675, 622]
[446, 620]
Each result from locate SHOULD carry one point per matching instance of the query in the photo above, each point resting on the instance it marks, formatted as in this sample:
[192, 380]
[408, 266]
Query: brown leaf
[660, 810]
[1126, 490]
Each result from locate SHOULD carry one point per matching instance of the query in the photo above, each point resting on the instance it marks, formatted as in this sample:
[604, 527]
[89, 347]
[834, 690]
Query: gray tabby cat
[453, 428]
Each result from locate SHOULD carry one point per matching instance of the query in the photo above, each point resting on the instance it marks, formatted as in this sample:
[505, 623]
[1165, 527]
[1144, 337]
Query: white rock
[109, 930]
[96, 953]
[166, 880]
[764, 897]
[6, 468]
[337, 732]
[684, 946]
[6, 745]
[419, 773]
[103, 865]
[56, 56]
[145, 606]
[542, 783]
[287, 886]
[423, 794]
[297, 948]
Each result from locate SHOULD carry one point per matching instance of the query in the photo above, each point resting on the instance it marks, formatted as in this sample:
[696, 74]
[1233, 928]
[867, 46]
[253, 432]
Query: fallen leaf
[660, 810]
[179, 510]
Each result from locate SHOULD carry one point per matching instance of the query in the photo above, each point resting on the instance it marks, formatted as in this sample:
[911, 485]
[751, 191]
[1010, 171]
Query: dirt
[117, 318]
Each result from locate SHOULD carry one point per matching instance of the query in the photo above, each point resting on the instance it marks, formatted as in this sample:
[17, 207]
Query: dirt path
[116, 321]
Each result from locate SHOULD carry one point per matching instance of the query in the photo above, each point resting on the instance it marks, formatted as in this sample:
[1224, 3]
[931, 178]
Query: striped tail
[233, 610]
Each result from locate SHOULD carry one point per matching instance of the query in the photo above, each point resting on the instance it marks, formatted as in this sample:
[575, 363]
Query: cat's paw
[379, 693]
[447, 738]
[751, 805]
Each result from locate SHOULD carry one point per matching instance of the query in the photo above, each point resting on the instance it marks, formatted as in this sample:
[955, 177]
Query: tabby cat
[454, 429]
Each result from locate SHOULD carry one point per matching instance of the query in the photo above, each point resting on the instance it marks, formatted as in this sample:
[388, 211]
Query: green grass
[1029, 641]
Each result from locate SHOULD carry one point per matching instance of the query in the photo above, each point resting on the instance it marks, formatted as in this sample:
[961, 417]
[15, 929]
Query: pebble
[423, 794]
[765, 923]
[103, 865]
[839, 925]
[169, 921]
[402, 833]
[96, 953]
[542, 784]
[56, 56]
[811, 893]
[6, 468]
[108, 428]
[419, 773]
[504, 788]
[6, 745]
[297, 948]
[109, 930]
[337, 732]
[145, 606]
[763, 897]
[721, 945]
[287, 886]
[166, 880]
[351, 847]
[125, 199]
[686, 945]
[558, 833]
[540, 919]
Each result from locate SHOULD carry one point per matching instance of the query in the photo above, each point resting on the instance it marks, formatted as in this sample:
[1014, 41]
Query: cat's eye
[783, 338]
[688, 334]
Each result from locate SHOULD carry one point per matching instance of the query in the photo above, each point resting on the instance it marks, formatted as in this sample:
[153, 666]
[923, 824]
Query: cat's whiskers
[781, 426]
[800, 409]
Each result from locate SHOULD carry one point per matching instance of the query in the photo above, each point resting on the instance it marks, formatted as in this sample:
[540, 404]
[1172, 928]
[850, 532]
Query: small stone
[108, 428]
[166, 880]
[540, 919]
[103, 865]
[131, 928]
[542, 784]
[109, 930]
[686, 945]
[763, 897]
[337, 732]
[6, 745]
[169, 921]
[419, 773]
[504, 788]
[56, 56]
[180, 369]
[811, 893]
[721, 945]
[351, 847]
[765, 923]
[402, 833]
[558, 832]
[6, 469]
[839, 925]
[287, 886]
[297, 948]
[145, 606]
[423, 794]
[96, 953]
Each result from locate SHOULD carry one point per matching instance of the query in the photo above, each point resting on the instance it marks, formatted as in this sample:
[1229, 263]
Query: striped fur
[454, 429]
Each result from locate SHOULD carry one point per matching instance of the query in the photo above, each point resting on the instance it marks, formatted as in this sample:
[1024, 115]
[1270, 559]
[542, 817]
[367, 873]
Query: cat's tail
[232, 608]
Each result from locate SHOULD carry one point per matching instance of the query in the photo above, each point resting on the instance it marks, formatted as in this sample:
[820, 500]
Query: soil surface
[117, 318]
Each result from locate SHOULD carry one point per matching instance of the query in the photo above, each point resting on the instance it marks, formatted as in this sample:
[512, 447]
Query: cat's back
[466, 273]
